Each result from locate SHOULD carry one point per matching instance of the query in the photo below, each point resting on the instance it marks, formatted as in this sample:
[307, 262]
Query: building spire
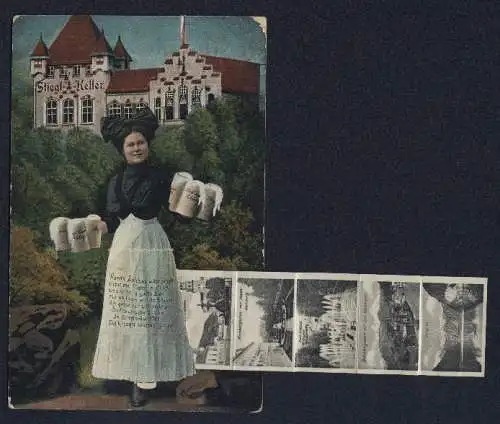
[183, 37]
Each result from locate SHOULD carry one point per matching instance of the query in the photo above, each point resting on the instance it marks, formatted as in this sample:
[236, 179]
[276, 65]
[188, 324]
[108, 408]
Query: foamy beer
[213, 200]
[191, 198]
[177, 187]
[58, 229]
[78, 237]
[93, 232]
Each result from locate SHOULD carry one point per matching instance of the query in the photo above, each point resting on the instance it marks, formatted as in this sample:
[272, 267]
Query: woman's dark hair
[114, 129]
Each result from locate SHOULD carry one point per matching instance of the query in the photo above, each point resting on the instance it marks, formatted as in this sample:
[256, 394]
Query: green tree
[36, 278]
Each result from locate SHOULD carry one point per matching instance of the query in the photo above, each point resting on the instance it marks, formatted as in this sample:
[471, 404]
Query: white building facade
[80, 79]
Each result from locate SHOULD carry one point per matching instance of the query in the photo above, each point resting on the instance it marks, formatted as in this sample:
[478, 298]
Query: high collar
[137, 169]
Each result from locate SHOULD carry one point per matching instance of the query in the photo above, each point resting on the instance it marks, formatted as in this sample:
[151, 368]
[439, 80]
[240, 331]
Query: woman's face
[135, 148]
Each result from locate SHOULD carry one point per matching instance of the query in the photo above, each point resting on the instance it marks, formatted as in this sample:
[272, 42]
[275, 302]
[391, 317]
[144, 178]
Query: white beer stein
[93, 232]
[177, 187]
[78, 236]
[191, 198]
[58, 229]
[213, 194]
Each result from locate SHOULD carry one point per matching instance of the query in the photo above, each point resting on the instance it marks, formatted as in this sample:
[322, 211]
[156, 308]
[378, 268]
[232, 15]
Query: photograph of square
[326, 323]
[454, 325]
[207, 304]
[389, 323]
[264, 321]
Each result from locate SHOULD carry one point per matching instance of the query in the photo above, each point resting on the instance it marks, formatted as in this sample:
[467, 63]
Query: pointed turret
[41, 49]
[183, 37]
[122, 58]
[101, 54]
[39, 58]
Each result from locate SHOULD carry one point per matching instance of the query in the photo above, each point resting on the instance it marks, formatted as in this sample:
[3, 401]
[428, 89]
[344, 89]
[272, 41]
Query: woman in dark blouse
[143, 335]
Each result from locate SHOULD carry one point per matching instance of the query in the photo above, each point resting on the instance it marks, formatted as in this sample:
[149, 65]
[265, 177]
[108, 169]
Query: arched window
[196, 96]
[140, 106]
[87, 110]
[169, 104]
[183, 101]
[158, 108]
[68, 111]
[127, 110]
[114, 109]
[51, 112]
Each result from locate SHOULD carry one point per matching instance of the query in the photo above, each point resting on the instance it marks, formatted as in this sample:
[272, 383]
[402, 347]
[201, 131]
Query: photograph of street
[326, 314]
[453, 328]
[389, 325]
[206, 299]
[264, 328]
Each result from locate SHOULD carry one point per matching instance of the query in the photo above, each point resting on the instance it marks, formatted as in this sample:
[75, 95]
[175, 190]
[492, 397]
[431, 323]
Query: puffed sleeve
[111, 214]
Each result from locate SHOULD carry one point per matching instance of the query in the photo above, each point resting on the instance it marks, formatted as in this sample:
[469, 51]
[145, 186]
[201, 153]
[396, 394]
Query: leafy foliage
[36, 277]
[65, 173]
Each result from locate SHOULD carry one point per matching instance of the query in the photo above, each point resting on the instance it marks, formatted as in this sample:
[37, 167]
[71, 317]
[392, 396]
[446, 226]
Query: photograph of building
[389, 325]
[327, 324]
[83, 76]
[264, 323]
[207, 304]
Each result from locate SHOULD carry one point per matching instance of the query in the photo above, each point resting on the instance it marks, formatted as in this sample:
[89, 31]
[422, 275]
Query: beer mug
[177, 187]
[78, 236]
[213, 195]
[93, 232]
[191, 198]
[58, 229]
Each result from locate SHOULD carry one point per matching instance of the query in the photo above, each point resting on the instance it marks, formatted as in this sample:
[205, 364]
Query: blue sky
[149, 39]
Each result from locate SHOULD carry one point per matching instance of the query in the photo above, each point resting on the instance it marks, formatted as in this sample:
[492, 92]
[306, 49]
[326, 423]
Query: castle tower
[101, 55]
[122, 58]
[39, 58]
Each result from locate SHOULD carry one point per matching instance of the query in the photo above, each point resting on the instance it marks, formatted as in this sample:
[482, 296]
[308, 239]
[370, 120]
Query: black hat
[116, 128]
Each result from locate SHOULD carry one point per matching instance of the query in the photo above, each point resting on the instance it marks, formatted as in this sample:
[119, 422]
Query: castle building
[79, 79]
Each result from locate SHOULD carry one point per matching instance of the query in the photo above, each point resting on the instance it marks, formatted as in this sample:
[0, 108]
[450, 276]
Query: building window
[196, 96]
[158, 108]
[87, 70]
[169, 105]
[63, 73]
[50, 71]
[140, 106]
[68, 111]
[183, 101]
[76, 70]
[114, 109]
[87, 111]
[51, 112]
[127, 110]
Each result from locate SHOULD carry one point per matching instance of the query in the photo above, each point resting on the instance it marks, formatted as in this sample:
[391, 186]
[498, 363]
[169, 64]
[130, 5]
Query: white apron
[142, 336]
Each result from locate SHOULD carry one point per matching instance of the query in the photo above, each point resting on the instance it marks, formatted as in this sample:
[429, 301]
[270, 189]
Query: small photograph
[207, 304]
[454, 322]
[389, 324]
[265, 322]
[326, 315]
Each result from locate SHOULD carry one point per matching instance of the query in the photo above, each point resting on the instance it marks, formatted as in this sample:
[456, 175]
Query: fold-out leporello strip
[336, 323]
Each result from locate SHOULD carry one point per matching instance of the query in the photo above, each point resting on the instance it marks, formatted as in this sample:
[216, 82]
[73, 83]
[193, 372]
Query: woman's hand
[102, 227]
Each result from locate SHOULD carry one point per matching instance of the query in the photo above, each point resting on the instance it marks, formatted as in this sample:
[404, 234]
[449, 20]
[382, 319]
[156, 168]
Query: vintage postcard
[326, 322]
[389, 324]
[207, 298]
[264, 327]
[453, 326]
[137, 150]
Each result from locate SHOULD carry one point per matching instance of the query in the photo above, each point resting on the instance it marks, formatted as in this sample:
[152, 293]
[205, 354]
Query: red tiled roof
[120, 51]
[238, 76]
[132, 80]
[40, 49]
[102, 46]
[76, 41]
